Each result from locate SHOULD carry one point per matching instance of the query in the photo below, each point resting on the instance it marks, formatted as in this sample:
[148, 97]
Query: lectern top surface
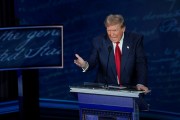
[110, 90]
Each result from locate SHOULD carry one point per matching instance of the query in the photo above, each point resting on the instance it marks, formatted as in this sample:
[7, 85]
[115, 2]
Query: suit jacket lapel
[112, 65]
[125, 51]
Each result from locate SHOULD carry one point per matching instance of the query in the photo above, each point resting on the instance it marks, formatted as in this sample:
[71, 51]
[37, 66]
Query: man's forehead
[117, 26]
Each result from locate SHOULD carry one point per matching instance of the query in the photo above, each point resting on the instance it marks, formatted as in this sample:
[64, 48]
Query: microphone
[106, 81]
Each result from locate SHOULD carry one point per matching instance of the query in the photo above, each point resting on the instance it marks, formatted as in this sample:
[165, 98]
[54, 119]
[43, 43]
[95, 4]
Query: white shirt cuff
[86, 67]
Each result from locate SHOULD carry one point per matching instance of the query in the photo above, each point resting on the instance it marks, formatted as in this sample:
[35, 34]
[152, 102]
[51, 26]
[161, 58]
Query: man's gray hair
[114, 19]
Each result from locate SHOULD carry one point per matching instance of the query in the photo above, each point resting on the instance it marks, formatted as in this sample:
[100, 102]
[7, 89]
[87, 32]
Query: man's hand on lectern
[142, 88]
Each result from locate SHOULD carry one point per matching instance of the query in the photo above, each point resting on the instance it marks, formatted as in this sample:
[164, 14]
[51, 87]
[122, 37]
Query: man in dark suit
[132, 69]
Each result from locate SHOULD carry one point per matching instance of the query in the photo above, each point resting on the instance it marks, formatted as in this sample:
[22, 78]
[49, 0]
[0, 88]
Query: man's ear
[124, 28]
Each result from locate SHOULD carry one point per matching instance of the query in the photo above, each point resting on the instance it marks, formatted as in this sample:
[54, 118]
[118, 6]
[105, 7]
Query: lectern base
[89, 114]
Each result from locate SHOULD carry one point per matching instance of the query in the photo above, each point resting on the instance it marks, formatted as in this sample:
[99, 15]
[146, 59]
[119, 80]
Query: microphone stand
[106, 86]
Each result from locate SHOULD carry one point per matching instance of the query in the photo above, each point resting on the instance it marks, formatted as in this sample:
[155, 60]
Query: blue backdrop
[157, 20]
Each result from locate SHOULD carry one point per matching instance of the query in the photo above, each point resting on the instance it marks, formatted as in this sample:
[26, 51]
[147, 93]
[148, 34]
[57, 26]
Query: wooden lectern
[98, 103]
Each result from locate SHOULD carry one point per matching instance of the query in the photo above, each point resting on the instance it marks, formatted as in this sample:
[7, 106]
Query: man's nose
[111, 33]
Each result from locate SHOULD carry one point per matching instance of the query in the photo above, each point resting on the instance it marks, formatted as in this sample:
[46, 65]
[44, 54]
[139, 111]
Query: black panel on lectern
[31, 47]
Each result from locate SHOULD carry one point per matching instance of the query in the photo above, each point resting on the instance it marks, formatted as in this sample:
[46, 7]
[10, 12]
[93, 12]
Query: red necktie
[118, 60]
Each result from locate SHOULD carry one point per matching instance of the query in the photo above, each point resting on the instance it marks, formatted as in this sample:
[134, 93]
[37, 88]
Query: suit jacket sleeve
[141, 63]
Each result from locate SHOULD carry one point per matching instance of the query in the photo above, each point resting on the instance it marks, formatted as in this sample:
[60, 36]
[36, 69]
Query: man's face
[115, 32]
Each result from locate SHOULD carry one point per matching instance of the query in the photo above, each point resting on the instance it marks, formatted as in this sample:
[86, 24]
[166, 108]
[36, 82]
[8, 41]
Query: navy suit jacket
[133, 60]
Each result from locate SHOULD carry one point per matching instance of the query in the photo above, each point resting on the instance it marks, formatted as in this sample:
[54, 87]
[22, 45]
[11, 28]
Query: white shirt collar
[121, 43]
